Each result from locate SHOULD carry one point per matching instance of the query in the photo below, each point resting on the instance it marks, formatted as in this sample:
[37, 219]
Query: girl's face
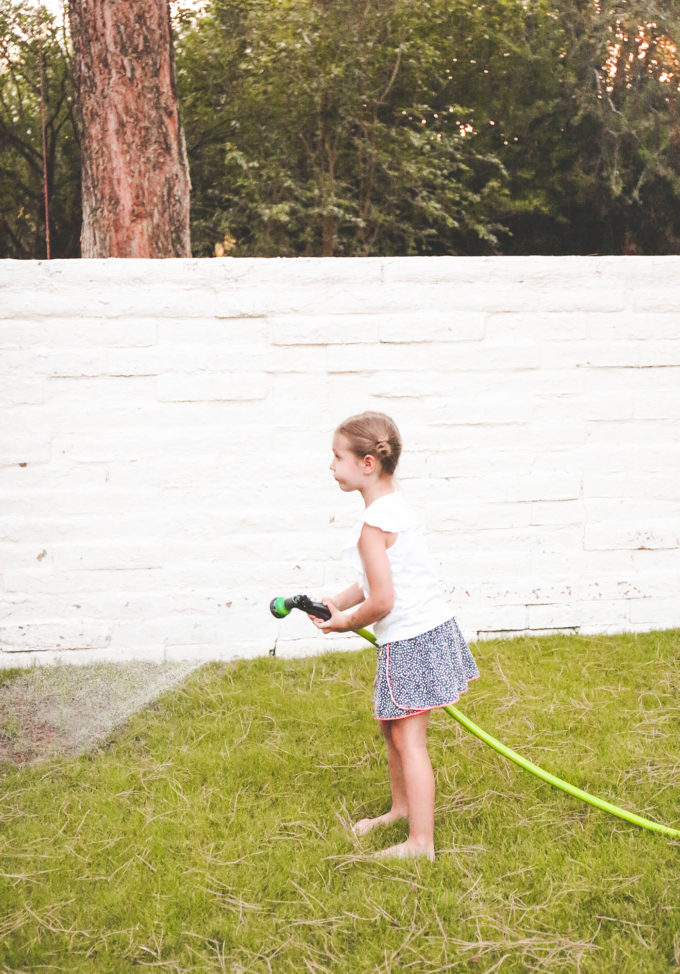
[348, 469]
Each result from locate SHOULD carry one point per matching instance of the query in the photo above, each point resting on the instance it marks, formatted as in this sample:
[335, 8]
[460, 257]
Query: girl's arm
[349, 597]
[373, 551]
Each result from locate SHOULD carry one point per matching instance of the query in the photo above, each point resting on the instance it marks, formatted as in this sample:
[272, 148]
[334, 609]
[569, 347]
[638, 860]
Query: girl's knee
[402, 736]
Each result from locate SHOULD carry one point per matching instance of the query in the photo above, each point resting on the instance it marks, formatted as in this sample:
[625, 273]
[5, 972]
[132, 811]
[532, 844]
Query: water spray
[281, 607]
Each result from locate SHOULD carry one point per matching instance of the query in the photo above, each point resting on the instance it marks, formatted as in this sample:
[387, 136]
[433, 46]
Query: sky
[56, 6]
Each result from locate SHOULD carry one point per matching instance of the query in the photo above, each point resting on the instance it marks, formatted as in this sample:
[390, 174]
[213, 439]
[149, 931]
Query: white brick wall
[166, 428]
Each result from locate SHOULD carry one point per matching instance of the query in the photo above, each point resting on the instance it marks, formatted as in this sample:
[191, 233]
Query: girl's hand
[336, 623]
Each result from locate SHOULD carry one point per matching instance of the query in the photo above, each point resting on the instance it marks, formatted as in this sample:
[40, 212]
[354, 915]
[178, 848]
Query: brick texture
[166, 437]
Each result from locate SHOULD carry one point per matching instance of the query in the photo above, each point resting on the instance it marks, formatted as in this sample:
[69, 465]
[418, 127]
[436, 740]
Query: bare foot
[406, 849]
[365, 825]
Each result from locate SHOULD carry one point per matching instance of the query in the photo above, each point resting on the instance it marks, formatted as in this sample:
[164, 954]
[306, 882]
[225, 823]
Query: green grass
[212, 833]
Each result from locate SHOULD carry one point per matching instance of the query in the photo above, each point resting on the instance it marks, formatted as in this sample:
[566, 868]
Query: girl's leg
[409, 742]
[399, 807]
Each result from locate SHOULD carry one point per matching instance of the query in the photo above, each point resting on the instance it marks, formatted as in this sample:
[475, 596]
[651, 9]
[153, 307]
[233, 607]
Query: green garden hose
[465, 722]
[281, 607]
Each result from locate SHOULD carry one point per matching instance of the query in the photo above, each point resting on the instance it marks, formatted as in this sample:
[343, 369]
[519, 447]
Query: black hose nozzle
[281, 607]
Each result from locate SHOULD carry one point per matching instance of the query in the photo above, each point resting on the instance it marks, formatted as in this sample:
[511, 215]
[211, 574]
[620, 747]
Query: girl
[423, 660]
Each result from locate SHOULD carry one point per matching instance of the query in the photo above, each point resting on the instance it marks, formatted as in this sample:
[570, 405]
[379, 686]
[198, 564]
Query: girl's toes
[405, 850]
[365, 825]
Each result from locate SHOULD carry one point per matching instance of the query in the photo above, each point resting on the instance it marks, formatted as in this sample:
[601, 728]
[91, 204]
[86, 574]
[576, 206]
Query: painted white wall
[166, 433]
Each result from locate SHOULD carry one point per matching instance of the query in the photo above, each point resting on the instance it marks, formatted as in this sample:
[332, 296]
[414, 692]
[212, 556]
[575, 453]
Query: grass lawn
[212, 833]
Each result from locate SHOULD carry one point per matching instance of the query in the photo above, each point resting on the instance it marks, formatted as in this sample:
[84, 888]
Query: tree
[22, 214]
[356, 127]
[135, 176]
[585, 105]
[327, 128]
[627, 77]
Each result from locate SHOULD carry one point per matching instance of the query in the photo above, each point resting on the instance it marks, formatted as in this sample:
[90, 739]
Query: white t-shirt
[418, 601]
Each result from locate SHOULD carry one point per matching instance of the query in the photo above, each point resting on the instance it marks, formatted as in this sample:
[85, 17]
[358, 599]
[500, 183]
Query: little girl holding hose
[423, 660]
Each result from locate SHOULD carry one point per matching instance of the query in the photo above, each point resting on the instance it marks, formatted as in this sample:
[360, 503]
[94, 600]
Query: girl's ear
[370, 463]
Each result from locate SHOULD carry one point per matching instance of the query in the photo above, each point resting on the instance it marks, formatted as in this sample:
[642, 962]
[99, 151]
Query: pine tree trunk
[135, 174]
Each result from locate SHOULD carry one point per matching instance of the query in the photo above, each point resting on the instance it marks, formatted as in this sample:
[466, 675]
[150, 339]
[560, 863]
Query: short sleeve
[390, 513]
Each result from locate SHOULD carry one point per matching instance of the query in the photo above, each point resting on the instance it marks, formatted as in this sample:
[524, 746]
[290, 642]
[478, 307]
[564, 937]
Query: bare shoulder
[373, 538]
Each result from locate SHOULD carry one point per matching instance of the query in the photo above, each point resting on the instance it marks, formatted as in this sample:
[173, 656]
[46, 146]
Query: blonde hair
[375, 434]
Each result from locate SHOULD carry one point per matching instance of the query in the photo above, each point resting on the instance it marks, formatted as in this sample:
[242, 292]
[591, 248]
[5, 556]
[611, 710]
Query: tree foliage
[331, 131]
[447, 126]
[593, 160]
[22, 218]
[356, 127]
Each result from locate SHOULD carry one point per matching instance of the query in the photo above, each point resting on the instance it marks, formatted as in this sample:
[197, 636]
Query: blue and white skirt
[421, 673]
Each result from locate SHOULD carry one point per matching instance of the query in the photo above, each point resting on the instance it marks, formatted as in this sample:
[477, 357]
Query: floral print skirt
[423, 672]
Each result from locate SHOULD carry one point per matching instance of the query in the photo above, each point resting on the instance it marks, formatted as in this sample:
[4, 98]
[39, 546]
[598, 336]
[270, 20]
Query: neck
[378, 488]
